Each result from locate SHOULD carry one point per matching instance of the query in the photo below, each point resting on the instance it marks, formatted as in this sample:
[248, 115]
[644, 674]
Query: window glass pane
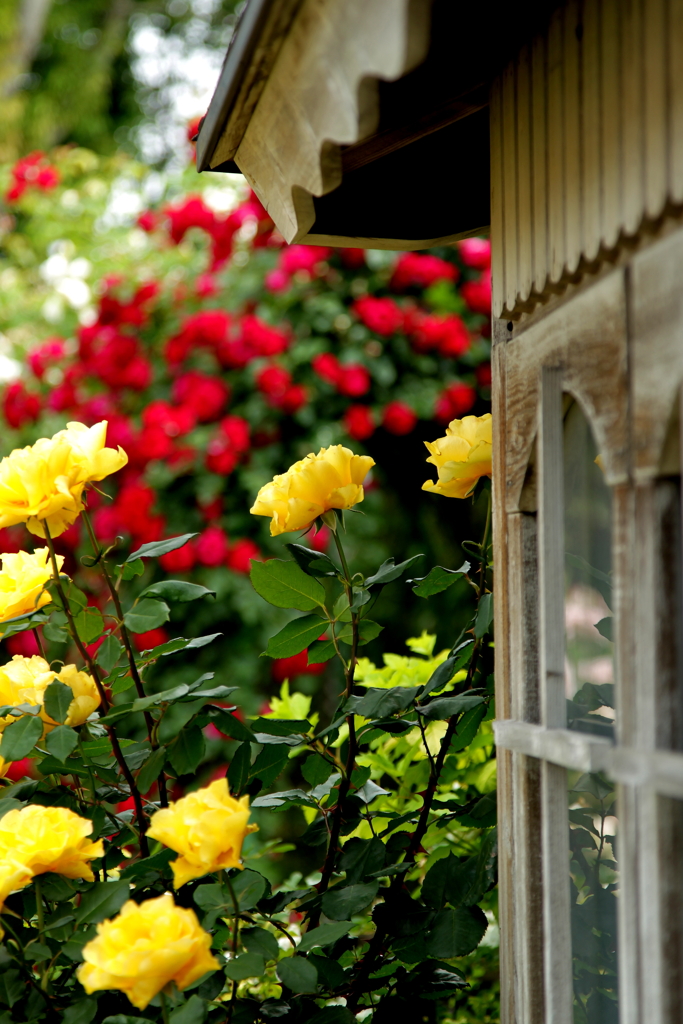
[589, 659]
[594, 897]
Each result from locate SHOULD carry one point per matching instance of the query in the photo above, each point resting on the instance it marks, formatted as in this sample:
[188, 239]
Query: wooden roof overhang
[363, 122]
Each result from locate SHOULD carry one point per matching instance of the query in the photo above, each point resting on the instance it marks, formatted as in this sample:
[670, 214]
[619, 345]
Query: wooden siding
[586, 143]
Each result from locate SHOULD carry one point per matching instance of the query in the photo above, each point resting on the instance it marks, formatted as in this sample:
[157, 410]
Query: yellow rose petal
[462, 457]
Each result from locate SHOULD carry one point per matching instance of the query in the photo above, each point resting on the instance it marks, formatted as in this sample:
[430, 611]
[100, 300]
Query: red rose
[152, 638]
[12, 539]
[221, 457]
[483, 373]
[241, 554]
[206, 285]
[107, 524]
[294, 398]
[173, 420]
[398, 418]
[148, 221]
[455, 401]
[455, 338]
[191, 212]
[358, 422]
[328, 367]
[45, 355]
[205, 396]
[273, 381]
[261, 339]
[212, 546]
[477, 295]
[236, 430]
[295, 258]
[21, 769]
[354, 380]
[475, 253]
[23, 643]
[181, 560]
[382, 316]
[320, 540]
[19, 405]
[276, 281]
[353, 259]
[420, 270]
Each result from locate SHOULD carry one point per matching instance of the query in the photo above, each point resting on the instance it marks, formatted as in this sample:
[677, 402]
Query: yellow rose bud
[22, 582]
[25, 680]
[461, 457]
[207, 828]
[145, 948]
[49, 839]
[331, 479]
[44, 482]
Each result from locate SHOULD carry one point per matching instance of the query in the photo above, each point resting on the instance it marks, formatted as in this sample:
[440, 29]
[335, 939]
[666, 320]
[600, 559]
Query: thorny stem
[345, 784]
[234, 944]
[125, 636]
[39, 641]
[94, 671]
[378, 941]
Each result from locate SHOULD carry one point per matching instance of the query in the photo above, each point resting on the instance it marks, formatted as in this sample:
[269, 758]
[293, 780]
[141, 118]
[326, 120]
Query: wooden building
[560, 127]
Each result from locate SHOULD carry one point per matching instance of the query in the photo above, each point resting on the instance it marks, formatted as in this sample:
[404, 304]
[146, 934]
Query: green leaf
[344, 901]
[248, 887]
[12, 987]
[468, 726]
[331, 973]
[194, 1011]
[81, 1012]
[160, 547]
[146, 614]
[177, 590]
[315, 563]
[230, 725]
[367, 631]
[125, 1018]
[446, 707]
[316, 769]
[55, 630]
[19, 738]
[181, 644]
[269, 763]
[295, 636]
[456, 932]
[605, 626]
[362, 857]
[285, 798]
[57, 700]
[297, 974]
[187, 750]
[247, 965]
[104, 900]
[89, 625]
[444, 672]
[484, 616]
[258, 940]
[210, 896]
[61, 742]
[285, 585]
[331, 1014]
[151, 769]
[438, 579]
[379, 703]
[238, 772]
[163, 697]
[324, 935]
[109, 653]
[131, 569]
[321, 651]
[389, 571]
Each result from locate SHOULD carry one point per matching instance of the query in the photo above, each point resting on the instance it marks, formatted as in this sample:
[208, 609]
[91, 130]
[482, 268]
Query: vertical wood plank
[556, 165]
[522, 547]
[525, 227]
[591, 129]
[551, 549]
[497, 211]
[572, 136]
[656, 104]
[632, 95]
[528, 874]
[611, 136]
[555, 826]
[510, 186]
[539, 165]
[675, 91]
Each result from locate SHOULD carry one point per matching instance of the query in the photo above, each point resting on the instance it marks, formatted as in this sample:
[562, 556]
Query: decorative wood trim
[321, 94]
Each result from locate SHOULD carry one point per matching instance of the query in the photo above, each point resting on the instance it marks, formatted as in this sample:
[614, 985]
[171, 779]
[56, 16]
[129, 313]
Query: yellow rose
[49, 839]
[13, 875]
[25, 680]
[22, 581]
[207, 828]
[44, 482]
[461, 457]
[143, 949]
[331, 479]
